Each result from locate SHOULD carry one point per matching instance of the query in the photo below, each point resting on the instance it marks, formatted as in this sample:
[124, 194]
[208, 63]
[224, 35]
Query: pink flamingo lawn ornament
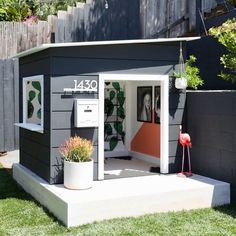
[185, 140]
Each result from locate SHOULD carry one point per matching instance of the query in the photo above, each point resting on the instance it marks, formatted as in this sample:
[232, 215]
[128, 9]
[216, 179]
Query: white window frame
[24, 124]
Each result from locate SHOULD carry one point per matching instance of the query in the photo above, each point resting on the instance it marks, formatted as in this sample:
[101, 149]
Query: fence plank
[91, 21]
[16, 100]
[80, 22]
[9, 101]
[2, 140]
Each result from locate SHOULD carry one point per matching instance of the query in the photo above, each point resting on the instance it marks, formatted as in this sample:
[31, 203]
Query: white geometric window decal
[33, 103]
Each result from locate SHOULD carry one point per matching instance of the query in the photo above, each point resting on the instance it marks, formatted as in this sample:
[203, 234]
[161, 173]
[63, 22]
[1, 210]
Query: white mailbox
[86, 113]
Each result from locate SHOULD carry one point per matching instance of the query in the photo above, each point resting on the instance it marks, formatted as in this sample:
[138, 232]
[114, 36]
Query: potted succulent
[78, 164]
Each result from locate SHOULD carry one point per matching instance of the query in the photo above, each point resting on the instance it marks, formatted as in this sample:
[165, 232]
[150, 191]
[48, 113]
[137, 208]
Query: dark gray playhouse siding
[69, 63]
[34, 146]
[62, 121]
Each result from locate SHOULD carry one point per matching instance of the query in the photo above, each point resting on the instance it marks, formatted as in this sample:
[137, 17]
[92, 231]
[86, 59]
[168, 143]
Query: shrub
[226, 35]
[77, 149]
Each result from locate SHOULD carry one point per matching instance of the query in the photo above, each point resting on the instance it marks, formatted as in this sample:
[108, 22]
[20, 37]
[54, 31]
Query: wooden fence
[9, 99]
[170, 18]
[124, 19]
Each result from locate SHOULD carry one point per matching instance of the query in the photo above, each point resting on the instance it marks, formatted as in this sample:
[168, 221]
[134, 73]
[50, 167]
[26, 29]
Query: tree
[20, 10]
[226, 35]
[13, 10]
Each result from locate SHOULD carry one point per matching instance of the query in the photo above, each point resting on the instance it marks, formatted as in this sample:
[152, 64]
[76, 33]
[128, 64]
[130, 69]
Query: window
[33, 103]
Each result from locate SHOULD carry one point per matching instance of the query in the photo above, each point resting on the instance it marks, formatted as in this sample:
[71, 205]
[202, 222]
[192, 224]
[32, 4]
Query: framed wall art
[144, 104]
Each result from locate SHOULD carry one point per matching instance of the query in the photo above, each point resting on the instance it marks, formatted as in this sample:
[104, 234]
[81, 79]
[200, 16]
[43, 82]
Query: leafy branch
[226, 35]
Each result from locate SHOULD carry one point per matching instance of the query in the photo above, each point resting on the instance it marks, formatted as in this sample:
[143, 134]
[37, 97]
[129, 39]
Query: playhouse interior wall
[142, 139]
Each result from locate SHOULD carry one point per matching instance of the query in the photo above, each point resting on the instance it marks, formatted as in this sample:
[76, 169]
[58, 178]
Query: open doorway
[133, 133]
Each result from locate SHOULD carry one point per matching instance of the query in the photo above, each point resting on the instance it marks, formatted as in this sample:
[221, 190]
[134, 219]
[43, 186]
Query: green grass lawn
[21, 215]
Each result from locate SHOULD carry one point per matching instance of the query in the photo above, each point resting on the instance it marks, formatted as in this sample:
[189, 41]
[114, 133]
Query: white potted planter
[78, 175]
[181, 83]
[78, 165]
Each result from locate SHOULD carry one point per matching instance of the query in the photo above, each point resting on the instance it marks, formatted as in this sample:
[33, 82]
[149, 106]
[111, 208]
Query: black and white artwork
[157, 104]
[144, 104]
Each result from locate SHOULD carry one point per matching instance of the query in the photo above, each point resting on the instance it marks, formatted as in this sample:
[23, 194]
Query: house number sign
[83, 86]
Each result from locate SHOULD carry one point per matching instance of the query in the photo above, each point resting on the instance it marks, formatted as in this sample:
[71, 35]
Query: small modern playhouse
[96, 90]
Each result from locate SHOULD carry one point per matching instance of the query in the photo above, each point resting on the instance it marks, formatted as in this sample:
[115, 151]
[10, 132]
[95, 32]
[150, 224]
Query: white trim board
[145, 157]
[164, 146]
[98, 43]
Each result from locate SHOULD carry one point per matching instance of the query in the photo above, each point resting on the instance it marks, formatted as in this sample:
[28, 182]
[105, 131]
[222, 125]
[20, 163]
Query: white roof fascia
[100, 43]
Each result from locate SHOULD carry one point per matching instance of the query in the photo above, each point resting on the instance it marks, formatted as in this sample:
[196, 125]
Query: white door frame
[164, 119]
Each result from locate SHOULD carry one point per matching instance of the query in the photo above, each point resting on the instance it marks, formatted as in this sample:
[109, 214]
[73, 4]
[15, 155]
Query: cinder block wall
[211, 122]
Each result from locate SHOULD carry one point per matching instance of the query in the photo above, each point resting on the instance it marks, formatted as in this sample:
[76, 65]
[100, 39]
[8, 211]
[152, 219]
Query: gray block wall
[211, 122]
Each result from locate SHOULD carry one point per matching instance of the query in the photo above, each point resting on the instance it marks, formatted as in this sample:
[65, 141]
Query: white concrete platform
[123, 197]
[118, 168]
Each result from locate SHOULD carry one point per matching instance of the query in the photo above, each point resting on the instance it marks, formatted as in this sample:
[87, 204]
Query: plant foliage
[32, 10]
[232, 2]
[226, 35]
[114, 109]
[13, 10]
[191, 73]
[77, 149]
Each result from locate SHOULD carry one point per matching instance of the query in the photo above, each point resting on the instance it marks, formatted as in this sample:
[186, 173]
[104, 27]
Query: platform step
[123, 197]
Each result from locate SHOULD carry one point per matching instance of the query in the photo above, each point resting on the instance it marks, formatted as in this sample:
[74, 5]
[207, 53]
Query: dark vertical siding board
[39, 56]
[36, 151]
[47, 124]
[40, 138]
[38, 67]
[37, 167]
[2, 134]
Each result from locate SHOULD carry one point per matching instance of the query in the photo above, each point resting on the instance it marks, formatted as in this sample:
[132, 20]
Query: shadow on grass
[227, 209]
[10, 189]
